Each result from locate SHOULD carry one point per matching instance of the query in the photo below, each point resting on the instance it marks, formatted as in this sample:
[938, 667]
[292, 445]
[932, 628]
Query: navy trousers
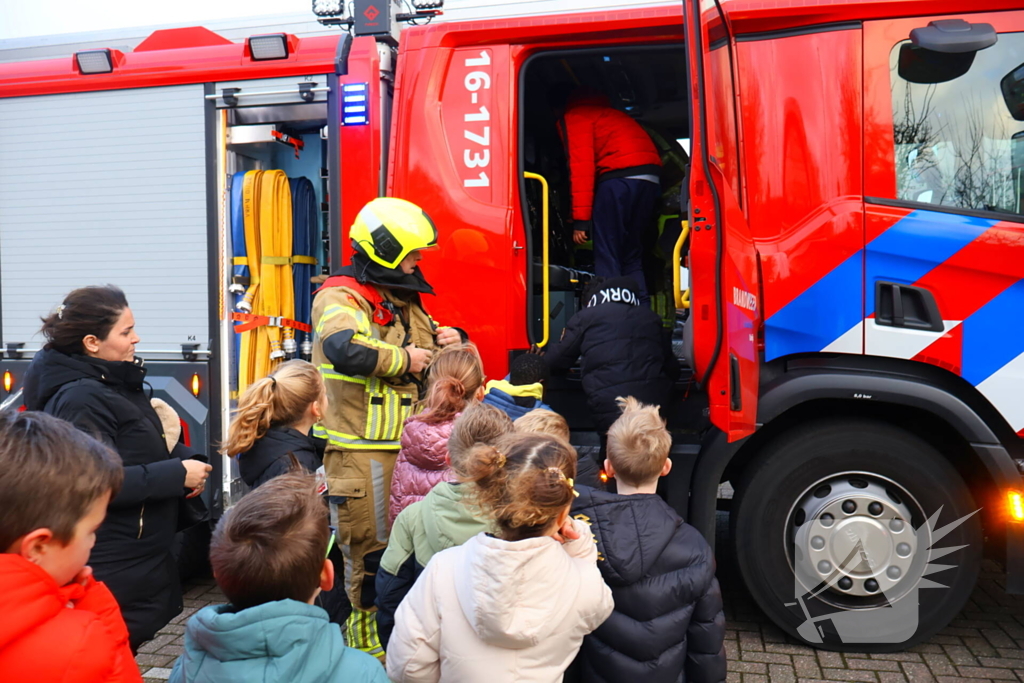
[623, 211]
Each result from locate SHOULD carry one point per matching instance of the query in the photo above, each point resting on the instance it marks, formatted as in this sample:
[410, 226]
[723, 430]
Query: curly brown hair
[523, 481]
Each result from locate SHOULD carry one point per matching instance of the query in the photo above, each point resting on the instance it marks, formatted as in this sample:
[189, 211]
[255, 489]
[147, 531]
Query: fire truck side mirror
[954, 36]
[943, 50]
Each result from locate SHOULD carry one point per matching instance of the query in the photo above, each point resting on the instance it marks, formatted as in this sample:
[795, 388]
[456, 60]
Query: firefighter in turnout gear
[373, 342]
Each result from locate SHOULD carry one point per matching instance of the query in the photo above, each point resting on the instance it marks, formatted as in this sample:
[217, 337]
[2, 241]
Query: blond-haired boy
[660, 569]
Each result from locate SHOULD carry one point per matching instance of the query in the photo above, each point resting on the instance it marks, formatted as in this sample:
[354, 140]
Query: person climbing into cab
[373, 342]
[614, 170]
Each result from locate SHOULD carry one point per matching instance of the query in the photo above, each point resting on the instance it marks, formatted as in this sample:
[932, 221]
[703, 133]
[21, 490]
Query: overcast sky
[25, 18]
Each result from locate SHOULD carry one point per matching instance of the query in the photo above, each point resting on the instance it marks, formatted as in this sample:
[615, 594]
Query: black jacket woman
[88, 375]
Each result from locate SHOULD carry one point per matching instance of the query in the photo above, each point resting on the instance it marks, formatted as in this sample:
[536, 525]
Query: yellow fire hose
[267, 209]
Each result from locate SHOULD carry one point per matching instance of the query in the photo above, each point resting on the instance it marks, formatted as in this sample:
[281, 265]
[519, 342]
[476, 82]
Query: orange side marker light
[1016, 501]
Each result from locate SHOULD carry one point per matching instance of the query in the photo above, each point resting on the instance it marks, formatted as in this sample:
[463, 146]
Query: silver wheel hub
[852, 531]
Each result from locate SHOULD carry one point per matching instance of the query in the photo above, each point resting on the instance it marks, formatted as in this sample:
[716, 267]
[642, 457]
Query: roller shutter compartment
[106, 187]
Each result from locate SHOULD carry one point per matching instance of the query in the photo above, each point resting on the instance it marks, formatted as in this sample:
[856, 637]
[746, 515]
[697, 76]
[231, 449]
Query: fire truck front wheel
[839, 526]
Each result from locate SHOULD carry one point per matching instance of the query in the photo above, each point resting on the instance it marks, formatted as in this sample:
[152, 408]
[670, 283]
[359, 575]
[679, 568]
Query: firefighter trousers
[363, 478]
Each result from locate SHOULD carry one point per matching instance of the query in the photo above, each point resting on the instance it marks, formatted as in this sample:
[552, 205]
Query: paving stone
[1000, 663]
[172, 650]
[996, 638]
[806, 666]
[917, 673]
[872, 664]
[751, 641]
[890, 677]
[931, 647]
[1012, 653]
[734, 677]
[151, 660]
[158, 674]
[957, 679]
[755, 678]
[789, 649]
[767, 658]
[830, 659]
[151, 646]
[781, 673]
[987, 672]
[749, 667]
[981, 647]
[848, 675]
[939, 665]
[960, 655]
[898, 656]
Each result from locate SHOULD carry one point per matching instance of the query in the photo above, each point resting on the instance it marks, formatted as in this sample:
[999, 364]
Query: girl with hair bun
[270, 431]
[513, 606]
[455, 378]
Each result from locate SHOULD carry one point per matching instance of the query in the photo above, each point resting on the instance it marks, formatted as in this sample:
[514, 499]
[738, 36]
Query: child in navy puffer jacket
[523, 389]
[456, 377]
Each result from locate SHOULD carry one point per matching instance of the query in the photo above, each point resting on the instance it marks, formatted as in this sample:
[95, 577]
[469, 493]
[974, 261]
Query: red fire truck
[853, 241]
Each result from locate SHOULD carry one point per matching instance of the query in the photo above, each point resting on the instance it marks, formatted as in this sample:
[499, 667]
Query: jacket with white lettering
[623, 351]
[370, 390]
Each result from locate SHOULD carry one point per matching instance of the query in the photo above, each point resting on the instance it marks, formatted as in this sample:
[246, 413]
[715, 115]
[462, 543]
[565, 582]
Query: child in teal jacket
[269, 557]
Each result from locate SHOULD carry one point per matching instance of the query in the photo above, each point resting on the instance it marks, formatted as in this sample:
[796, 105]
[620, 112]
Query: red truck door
[725, 308]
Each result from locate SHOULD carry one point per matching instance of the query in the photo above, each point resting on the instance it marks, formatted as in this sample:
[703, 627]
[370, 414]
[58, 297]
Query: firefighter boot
[361, 633]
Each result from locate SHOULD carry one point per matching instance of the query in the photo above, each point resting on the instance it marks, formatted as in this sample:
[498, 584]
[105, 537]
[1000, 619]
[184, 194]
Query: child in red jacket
[59, 624]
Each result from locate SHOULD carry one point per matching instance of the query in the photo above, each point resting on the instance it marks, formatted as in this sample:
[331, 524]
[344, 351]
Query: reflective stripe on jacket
[365, 367]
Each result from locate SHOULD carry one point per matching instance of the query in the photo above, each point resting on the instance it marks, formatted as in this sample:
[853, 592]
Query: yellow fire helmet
[387, 229]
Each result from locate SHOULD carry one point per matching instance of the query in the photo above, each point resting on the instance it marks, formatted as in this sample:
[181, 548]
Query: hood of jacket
[29, 599]
[50, 370]
[291, 639]
[535, 390]
[616, 290]
[506, 591]
[448, 520]
[425, 445]
[276, 444]
[632, 532]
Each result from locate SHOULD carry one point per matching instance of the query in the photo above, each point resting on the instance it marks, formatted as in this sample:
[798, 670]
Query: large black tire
[846, 462]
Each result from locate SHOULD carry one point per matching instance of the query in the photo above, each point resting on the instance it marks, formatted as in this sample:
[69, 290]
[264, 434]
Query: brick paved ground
[985, 643]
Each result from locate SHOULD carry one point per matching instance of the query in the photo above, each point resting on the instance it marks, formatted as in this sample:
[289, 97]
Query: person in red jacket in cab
[59, 623]
[614, 174]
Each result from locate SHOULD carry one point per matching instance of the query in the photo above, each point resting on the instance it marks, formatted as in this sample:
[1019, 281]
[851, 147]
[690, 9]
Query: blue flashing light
[355, 110]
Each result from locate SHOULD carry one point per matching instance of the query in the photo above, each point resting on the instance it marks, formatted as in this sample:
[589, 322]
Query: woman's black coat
[132, 554]
[271, 455]
[668, 625]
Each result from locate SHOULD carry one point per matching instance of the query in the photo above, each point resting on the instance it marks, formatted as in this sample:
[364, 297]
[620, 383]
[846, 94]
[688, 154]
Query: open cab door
[725, 310]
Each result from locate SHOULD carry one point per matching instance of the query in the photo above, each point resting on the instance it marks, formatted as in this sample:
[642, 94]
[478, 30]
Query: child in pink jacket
[456, 377]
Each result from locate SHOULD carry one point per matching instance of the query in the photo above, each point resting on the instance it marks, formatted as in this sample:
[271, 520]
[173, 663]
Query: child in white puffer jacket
[513, 607]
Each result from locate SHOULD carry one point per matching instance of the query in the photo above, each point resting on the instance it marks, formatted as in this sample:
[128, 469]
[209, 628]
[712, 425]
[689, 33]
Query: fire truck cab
[852, 238]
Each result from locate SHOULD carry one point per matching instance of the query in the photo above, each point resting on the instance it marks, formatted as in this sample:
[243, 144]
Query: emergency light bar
[267, 47]
[94, 62]
[355, 104]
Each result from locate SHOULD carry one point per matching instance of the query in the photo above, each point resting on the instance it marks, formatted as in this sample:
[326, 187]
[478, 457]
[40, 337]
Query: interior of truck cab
[650, 84]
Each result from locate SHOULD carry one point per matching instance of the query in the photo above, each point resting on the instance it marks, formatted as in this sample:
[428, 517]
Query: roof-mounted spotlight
[328, 8]
[94, 61]
[267, 47]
